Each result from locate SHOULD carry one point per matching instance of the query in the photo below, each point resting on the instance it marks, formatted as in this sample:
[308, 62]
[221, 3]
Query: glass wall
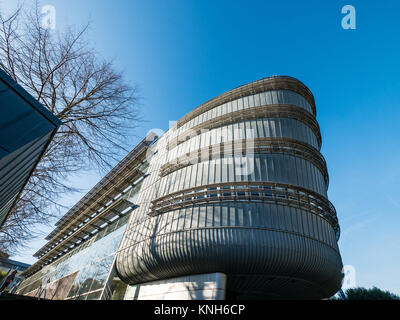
[82, 273]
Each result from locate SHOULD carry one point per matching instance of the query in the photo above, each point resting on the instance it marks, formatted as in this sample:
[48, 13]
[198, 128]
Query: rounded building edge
[265, 84]
[272, 264]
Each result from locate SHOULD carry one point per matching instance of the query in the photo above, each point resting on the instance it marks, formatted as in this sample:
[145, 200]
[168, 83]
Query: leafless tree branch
[91, 98]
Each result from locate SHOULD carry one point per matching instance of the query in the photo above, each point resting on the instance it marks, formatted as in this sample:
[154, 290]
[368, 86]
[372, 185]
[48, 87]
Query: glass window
[103, 268]
[94, 295]
[81, 297]
[76, 286]
[87, 278]
[78, 260]
[109, 229]
[118, 289]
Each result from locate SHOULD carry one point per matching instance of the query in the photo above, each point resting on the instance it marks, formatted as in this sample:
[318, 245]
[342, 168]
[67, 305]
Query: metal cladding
[239, 186]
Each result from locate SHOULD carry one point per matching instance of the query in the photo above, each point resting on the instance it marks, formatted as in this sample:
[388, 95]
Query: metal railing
[275, 193]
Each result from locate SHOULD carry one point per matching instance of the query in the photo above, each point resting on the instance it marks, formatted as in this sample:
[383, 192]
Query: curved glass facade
[239, 186]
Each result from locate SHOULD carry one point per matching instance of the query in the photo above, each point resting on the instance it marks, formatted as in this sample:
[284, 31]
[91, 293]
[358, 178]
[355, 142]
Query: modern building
[7, 266]
[26, 129]
[230, 202]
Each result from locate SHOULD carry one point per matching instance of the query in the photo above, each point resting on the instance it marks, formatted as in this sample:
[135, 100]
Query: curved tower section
[239, 186]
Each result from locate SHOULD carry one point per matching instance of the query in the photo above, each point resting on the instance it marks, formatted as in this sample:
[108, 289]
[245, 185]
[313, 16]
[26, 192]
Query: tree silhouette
[370, 294]
[95, 104]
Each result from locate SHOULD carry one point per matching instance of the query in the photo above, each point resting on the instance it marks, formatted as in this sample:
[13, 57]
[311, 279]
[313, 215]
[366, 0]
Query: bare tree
[86, 92]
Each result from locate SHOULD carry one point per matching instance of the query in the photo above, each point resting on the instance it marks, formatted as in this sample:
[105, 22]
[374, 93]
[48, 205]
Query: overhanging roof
[26, 129]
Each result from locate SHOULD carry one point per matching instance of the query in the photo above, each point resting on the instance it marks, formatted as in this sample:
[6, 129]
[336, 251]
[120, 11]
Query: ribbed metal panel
[271, 229]
[237, 251]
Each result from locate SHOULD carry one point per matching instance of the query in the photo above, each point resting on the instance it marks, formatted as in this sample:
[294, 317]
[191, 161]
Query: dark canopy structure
[26, 129]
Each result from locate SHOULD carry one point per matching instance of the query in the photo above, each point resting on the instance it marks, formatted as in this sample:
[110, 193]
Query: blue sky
[183, 53]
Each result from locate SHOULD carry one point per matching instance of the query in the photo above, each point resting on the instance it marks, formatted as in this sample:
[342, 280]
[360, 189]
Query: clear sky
[183, 53]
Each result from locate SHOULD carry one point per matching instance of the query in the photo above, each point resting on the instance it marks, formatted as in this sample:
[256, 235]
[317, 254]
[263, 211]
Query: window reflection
[93, 295]
[91, 260]
[103, 268]
[118, 289]
[76, 285]
[87, 278]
